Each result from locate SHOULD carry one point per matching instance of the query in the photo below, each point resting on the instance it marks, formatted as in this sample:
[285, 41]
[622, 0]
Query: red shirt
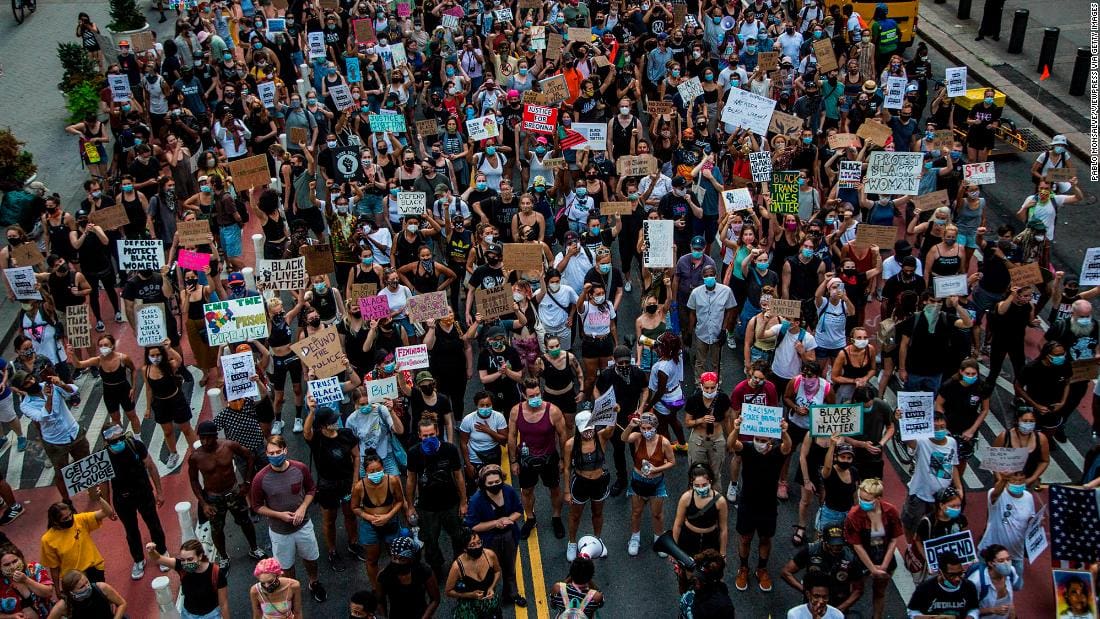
[857, 527]
[744, 393]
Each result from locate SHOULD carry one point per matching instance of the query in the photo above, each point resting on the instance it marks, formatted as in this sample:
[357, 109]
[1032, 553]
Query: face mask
[277, 461]
[675, 73]
[484, 413]
[988, 100]
[697, 254]
[950, 242]
[599, 299]
[154, 359]
[389, 367]
[534, 402]
[475, 553]
[969, 380]
[709, 281]
[1004, 569]
[956, 154]
[860, 343]
[331, 143]
[582, 192]
[950, 586]
[272, 586]
[82, 594]
[866, 506]
[1026, 427]
[702, 490]
[952, 512]
[1057, 359]
[127, 188]
[482, 186]
[751, 49]
[940, 435]
[649, 434]
[1017, 489]
[624, 110]
[494, 488]
[206, 189]
[190, 566]
[842, 465]
[807, 253]
[517, 296]
[735, 83]
[761, 266]
[430, 445]
[376, 477]
[117, 447]
[314, 322]
[105, 350]
[931, 313]
[830, 221]
[320, 288]
[761, 447]
[605, 268]
[1059, 150]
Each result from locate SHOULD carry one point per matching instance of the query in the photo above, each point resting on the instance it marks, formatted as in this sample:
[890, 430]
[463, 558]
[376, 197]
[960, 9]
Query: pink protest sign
[196, 261]
[403, 9]
[374, 307]
[457, 11]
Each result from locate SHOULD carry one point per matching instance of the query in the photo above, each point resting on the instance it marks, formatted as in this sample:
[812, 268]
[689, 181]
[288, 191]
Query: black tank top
[163, 387]
[136, 214]
[60, 243]
[703, 517]
[407, 251]
[946, 265]
[93, 254]
[558, 379]
[274, 230]
[368, 503]
[59, 288]
[280, 331]
[803, 277]
[849, 370]
[591, 461]
[194, 308]
[470, 584]
[96, 606]
[325, 304]
[620, 136]
[115, 377]
[447, 357]
[423, 282]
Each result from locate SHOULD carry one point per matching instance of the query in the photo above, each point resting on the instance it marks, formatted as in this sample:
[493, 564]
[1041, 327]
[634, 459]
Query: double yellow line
[541, 608]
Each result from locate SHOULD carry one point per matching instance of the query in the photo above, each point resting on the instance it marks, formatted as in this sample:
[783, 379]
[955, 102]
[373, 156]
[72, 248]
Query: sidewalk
[1045, 104]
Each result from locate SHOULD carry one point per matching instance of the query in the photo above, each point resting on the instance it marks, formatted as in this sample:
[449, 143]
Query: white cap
[583, 421]
[1058, 139]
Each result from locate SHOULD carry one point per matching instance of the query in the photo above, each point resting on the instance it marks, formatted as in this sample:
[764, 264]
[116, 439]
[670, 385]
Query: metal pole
[964, 9]
[1080, 80]
[1049, 49]
[1019, 30]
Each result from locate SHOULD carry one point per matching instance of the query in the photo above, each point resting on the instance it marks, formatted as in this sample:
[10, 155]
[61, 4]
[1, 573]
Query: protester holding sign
[964, 401]
[934, 469]
[136, 488]
[164, 401]
[586, 474]
[193, 298]
[45, 403]
[1023, 435]
[1012, 513]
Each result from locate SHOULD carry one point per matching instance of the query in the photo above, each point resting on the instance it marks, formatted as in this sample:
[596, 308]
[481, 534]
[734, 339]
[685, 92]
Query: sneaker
[782, 493]
[559, 528]
[12, 513]
[297, 425]
[335, 561]
[276, 427]
[764, 579]
[571, 551]
[357, 551]
[257, 553]
[172, 462]
[659, 554]
[223, 563]
[118, 316]
[164, 569]
[742, 581]
[731, 493]
[731, 341]
[99, 326]
[632, 545]
[137, 571]
[627, 287]
[528, 526]
[317, 590]
[21, 443]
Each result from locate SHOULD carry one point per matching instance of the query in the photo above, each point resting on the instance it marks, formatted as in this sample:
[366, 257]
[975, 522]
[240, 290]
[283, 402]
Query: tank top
[783, 250]
[194, 308]
[59, 288]
[367, 276]
[762, 341]
[422, 281]
[556, 379]
[621, 136]
[802, 398]
[838, 493]
[135, 214]
[274, 230]
[703, 517]
[325, 304]
[87, 38]
[803, 281]
[164, 387]
[114, 377]
[865, 262]
[158, 102]
[641, 453]
[447, 359]
[946, 265]
[60, 243]
[850, 370]
[281, 332]
[1033, 457]
[273, 610]
[370, 504]
[539, 437]
[968, 219]
[470, 584]
[540, 169]
[591, 461]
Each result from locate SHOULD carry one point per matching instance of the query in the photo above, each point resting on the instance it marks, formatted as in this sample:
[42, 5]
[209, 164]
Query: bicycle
[19, 9]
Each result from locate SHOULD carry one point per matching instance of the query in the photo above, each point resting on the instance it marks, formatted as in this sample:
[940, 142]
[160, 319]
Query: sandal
[799, 537]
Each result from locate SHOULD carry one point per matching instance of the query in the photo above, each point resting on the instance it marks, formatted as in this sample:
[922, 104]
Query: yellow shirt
[72, 548]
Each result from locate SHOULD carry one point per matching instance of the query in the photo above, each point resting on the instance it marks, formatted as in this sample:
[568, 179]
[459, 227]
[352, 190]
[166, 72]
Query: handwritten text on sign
[238, 370]
[425, 307]
[917, 412]
[1004, 459]
[658, 243]
[1090, 268]
[235, 320]
[326, 390]
[980, 173]
[748, 110]
[88, 472]
[894, 173]
[411, 357]
[759, 420]
[151, 327]
[842, 419]
[77, 326]
[321, 352]
[961, 543]
[412, 202]
[381, 390]
[140, 254]
[374, 308]
[761, 165]
[539, 118]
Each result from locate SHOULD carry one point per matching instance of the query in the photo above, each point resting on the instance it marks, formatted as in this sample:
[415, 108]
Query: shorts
[116, 397]
[370, 204]
[231, 502]
[969, 241]
[231, 240]
[825, 353]
[172, 410]
[914, 510]
[59, 454]
[7, 409]
[214, 614]
[752, 518]
[566, 402]
[585, 490]
[332, 492]
[290, 364]
[693, 543]
[265, 411]
[965, 447]
[597, 347]
[313, 218]
[301, 543]
[370, 535]
[646, 488]
[534, 468]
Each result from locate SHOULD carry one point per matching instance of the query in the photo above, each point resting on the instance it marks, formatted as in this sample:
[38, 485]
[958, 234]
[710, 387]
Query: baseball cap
[495, 248]
[494, 331]
[834, 536]
[845, 448]
[621, 352]
[663, 36]
[236, 278]
[570, 236]
[207, 428]
[440, 189]
[679, 181]
[423, 375]
[243, 348]
[584, 421]
[698, 241]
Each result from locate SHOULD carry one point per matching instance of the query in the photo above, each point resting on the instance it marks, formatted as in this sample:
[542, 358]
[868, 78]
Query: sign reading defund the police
[236, 320]
[88, 472]
[842, 419]
[961, 543]
[238, 369]
[140, 254]
[893, 173]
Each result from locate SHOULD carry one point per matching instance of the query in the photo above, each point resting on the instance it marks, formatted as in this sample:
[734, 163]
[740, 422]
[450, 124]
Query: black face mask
[475, 553]
[494, 488]
[427, 389]
[66, 524]
[844, 466]
[314, 322]
[651, 308]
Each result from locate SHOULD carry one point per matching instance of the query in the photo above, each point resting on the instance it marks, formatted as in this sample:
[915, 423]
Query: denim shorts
[969, 241]
[646, 488]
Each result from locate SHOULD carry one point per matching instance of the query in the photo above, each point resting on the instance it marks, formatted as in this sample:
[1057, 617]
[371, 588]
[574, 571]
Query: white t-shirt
[803, 612]
[579, 266]
[480, 441]
[674, 370]
[890, 267]
[381, 237]
[1008, 520]
[787, 364]
[397, 300]
[1046, 211]
[551, 314]
[981, 577]
[933, 469]
[831, 321]
[662, 186]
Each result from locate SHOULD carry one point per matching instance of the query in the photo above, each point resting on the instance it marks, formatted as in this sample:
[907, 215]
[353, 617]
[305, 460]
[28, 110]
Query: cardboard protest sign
[110, 218]
[251, 172]
[943, 139]
[1003, 459]
[321, 352]
[851, 173]
[1025, 275]
[894, 173]
[554, 163]
[1059, 175]
[657, 108]
[430, 306]
[482, 128]
[196, 261]
[358, 291]
[658, 243]
[955, 78]
[381, 390]
[949, 286]
[595, 135]
[1085, 369]
[930, 201]
[193, 233]
[768, 61]
[839, 141]
[826, 57]
[412, 203]
[23, 283]
[140, 254]
[785, 124]
[554, 89]
[624, 207]
[554, 43]
[523, 257]
[297, 135]
[748, 110]
[874, 132]
[493, 302]
[917, 413]
[578, 34]
[531, 96]
[374, 308]
[142, 41]
[830, 419]
[786, 308]
[411, 357]
[364, 31]
[318, 259]
[760, 163]
[961, 543]
[637, 165]
[603, 409]
[235, 320]
[737, 199]
[760, 420]
[690, 90]
[287, 274]
[895, 93]
[120, 87]
[238, 370]
[326, 390]
[427, 128]
[78, 327]
[393, 123]
[26, 255]
[784, 192]
[883, 236]
[980, 173]
[539, 119]
[151, 328]
[88, 472]
[1090, 268]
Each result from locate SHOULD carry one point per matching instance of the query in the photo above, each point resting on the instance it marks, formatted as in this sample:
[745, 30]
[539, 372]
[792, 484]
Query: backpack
[887, 335]
[574, 609]
[983, 578]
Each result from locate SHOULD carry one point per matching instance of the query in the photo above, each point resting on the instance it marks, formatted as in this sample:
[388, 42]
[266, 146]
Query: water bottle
[524, 451]
[646, 467]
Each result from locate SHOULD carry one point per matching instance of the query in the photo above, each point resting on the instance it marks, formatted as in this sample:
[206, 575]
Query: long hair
[668, 346]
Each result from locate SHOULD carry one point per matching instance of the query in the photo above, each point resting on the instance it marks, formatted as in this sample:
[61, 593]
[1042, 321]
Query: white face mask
[761, 447]
[104, 351]
[555, 286]
[517, 296]
[860, 343]
[412, 228]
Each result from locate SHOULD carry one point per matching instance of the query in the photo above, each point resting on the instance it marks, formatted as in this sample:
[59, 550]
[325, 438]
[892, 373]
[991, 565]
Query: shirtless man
[221, 494]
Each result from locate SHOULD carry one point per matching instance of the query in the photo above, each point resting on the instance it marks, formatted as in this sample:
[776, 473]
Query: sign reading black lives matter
[288, 274]
[88, 472]
[140, 254]
[238, 370]
[893, 174]
[842, 419]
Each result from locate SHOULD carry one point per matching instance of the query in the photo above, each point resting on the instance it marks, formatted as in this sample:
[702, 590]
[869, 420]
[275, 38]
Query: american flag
[1074, 524]
[571, 139]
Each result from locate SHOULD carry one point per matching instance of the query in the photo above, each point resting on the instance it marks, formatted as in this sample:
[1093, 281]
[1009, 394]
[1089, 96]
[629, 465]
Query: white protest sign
[1090, 268]
[894, 173]
[737, 199]
[151, 326]
[88, 472]
[288, 274]
[482, 128]
[842, 419]
[895, 93]
[382, 389]
[411, 357]
[120, 87]
[238, 370]
[760, 420]
[980, 173]
[949, 286]
[761, 165]
[140, 254]
[603, 409]
[326, 390]
[956, 81]
[316, 44]
[341, 96]
[851, 172]
[235, 320]
[1004, 459]
[23, 283]
[503, 15]
[748, 110]
[412, 202]
[1035, 538]
[690, 90]
[450, 22]
[658, 243]
[266, 92]
[397, 52]
[595, 133]
[961, 543]
[917, 414]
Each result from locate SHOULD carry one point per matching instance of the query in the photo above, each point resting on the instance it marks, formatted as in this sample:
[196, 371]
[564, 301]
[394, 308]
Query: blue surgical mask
[675, 73]
[389, 367]
[697, 254]
[127, 188]
[709, 281]
[376, 477]
[1027, 427]
[582, 192]
[751, 49]
[955, 154]
[594, 230]
[762, 266]
[1059, 149]
[1017, 489]
[450, 72]
[117, 447]
[952, 512]
[277, 461]
[927, 165]
[534, 402]
[605, 268]
[709, 77]
[929, 135]
[866, 506]
[484, 413]
[430, 445]
[1004, 569]
[1057, 359]
[940, 434]
[319, 288]
[950, 586]
[969, 380]
[490, 150]
[807, 140]
[716, 20]
[368, 261]
[807, 253]
[541, 150]
[482, 186]
[522, 71]
[988, 100]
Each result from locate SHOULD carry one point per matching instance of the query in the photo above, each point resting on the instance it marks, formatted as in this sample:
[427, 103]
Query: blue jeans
[918, 382]
[214, 614]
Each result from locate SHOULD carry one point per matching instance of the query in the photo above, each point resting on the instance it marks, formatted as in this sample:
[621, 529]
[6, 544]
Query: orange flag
[1046, 73]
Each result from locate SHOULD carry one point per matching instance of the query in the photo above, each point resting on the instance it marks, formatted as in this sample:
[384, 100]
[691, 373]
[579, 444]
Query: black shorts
[752, 519]
[172, 410]
[282, 366]
[693, 543]
[332, 492]
[117, 397]
[585, 490]
[566, 402]
[265, 411]
[597, 347]
[534, 468]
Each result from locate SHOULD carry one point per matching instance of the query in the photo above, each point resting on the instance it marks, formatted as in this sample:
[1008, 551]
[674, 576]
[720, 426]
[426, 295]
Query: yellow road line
[538, 581]
[521, 585]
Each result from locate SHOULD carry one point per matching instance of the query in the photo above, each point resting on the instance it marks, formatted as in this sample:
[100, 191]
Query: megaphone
[590, 547]
[666, 544]
[728, 23]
